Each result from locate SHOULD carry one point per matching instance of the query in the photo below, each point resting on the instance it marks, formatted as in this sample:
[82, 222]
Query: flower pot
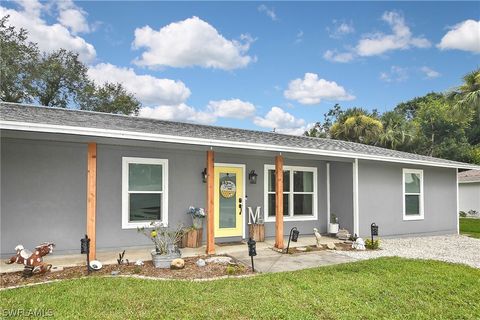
[163, 260]
[333, 228]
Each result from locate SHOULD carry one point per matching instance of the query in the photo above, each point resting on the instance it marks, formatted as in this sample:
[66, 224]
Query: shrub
[137, 270]
[473, 212]
[463, 214]
[372, 245]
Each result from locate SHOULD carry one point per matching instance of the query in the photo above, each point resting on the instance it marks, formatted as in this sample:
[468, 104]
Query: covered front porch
[95, 202]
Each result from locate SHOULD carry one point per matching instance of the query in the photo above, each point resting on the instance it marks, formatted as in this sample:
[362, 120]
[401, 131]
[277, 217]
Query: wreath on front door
[227, 189]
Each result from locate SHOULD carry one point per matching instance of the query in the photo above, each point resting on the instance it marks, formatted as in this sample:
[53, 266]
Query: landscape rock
[56, 269]
[343, 234]
[302, 249]
[139, 263]
[200, 263]
[219, 260]
[331, 246]
[115, 273]
[177, 264]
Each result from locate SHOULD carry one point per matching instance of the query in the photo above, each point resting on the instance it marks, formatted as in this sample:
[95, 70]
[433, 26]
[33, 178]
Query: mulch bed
[190, 272]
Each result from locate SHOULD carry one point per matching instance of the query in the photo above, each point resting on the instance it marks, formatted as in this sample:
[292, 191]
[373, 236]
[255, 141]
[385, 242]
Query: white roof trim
[109, 133]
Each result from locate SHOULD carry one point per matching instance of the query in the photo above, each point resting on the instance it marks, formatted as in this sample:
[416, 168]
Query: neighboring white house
[469, 190]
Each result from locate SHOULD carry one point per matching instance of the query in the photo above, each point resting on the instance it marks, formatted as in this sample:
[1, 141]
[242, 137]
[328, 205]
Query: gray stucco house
[469, 190]
[65, 173]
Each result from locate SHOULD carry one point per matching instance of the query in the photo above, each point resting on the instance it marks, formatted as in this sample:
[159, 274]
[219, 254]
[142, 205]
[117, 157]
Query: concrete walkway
[267, 260]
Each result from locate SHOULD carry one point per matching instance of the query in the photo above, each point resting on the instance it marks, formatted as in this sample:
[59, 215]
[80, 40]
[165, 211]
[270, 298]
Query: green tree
[397, 132]
[357, 125]
[61, 76]
[467, 95]
[441, 130]
[409, 108]
[111, 98]
[18, 59]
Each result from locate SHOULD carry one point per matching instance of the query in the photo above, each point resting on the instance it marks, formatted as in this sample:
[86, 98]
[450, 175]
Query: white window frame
[126, 224]
[291, 193]
[421, 215]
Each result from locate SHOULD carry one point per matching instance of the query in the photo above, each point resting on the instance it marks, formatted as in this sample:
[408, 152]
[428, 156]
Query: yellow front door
[228, 201]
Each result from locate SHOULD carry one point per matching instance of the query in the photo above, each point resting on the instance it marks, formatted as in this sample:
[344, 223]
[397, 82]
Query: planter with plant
[193, 236]
[333, 225]
[165, 241]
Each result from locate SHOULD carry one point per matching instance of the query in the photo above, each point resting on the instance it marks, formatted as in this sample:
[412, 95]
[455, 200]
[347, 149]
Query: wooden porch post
[92, 197]
[279, 202]
[210, 203]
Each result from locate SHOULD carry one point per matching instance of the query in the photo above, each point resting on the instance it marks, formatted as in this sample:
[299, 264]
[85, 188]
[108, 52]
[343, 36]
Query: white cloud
[340, 29]
[396, 74]
[191, 42]
[379, 43]
[311, 90]
[429, 72]
[234, 108]
[400, 39]
[180, 112]
[49, 37]
[148, 89]
[268, 11]
[282, 122]
[334, 56]
[299, 36]
[72, 16]
[463, 36]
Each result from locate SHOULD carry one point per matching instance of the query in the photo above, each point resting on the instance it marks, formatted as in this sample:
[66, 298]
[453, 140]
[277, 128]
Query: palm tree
[396, 131]
[358, 126]
[468, 94]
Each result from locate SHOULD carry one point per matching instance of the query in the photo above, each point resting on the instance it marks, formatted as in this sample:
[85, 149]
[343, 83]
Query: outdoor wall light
[204, 175]
[252, 176]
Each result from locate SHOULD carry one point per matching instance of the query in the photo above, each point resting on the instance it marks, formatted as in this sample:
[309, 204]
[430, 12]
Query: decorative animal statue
[33, 261]
[359, 244]
[317, 237]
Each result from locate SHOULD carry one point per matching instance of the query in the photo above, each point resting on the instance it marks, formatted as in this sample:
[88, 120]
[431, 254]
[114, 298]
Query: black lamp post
[85, 249]
[294, 233]
[252, 250]
[373, 230]
[252, 176]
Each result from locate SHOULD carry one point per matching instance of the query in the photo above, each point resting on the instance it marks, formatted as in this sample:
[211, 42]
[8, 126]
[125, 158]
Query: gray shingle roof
[469, 176]
[84, 119]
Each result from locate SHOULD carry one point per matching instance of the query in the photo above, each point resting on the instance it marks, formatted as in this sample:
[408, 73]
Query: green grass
[470, 227]
[392, 288]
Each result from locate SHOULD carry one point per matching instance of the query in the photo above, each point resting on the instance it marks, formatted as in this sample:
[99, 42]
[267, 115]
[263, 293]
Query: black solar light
[294, 233]
[85, 249]
[204, 175]
[373, 230]
[252, 176]
[252, 250]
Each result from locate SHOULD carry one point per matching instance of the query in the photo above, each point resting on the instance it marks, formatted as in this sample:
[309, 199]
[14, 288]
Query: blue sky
[262, 65]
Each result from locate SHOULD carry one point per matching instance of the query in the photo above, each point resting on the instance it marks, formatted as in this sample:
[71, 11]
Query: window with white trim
[144, 191]
[299, 193]
[412, 194]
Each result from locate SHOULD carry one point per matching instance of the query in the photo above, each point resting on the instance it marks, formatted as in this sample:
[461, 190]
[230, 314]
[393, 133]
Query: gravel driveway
[449, 248]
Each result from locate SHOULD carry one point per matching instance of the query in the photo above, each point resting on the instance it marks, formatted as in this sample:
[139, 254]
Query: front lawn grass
[392, 288]
[470, 227]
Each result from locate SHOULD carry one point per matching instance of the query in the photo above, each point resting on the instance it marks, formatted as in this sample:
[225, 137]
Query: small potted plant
[165, 241]
[333, 225]
[193, 236]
